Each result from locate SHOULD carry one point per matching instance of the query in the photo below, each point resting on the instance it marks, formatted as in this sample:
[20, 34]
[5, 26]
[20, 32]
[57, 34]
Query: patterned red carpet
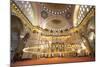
[52, 61]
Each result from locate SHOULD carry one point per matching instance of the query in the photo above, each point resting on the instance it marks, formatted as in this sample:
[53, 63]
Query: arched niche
[91, 32]
[16, 28]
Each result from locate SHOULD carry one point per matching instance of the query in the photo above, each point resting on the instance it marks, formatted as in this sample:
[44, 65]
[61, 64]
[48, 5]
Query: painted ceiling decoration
[47, 15]
[56, 8]
[55, 11]
[66, 19]
[44, 14]
[56, 23]
[48, 9]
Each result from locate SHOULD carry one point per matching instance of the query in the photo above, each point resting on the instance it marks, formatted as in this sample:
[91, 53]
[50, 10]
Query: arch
[16, 24]
[16, 28]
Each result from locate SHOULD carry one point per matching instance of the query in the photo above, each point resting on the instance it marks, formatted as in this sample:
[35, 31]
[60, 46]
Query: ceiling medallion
[56, 21]
[44, 14]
